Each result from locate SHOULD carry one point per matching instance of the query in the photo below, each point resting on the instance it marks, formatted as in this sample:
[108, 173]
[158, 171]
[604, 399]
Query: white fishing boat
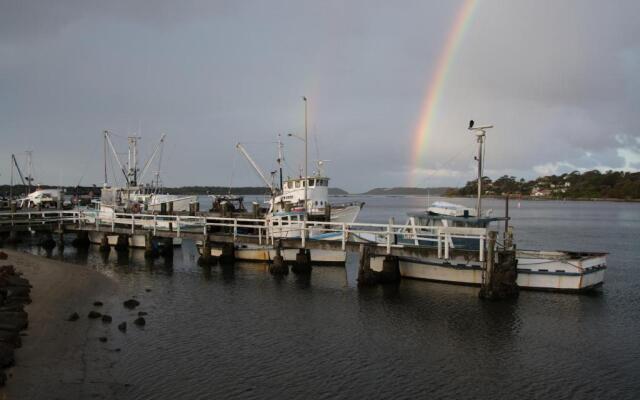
[569, 271]
[133, 198]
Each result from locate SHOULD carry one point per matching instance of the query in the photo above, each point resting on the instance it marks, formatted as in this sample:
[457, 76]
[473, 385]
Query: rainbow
[436, 85]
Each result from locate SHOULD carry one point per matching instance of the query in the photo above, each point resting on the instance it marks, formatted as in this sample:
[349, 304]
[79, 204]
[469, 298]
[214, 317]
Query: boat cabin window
[312, 182]
[297, 184]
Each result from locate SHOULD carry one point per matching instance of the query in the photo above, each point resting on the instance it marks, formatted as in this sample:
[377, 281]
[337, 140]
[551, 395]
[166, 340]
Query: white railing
[268, 231]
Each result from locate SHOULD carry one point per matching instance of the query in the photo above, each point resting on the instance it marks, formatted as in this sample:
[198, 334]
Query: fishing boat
[556, 270]
[290, 205]
[133, 198]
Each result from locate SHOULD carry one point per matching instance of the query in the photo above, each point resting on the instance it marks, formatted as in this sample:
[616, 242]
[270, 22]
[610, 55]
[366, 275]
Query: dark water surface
[238, 332]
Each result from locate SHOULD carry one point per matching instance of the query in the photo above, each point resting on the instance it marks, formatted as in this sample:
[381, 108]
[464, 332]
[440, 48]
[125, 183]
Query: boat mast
[306, 163]
[480, 133]
[280, 161]
[132, 161]
[29, 170]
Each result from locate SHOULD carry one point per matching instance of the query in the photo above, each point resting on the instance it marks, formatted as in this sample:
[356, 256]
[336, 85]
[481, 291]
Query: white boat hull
[536, 271]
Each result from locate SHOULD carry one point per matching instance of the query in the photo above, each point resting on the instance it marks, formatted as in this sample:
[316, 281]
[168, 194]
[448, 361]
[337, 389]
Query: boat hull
[546, 271]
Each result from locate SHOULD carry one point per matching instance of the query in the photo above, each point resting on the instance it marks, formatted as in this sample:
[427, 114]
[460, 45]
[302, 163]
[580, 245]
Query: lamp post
[480, 132]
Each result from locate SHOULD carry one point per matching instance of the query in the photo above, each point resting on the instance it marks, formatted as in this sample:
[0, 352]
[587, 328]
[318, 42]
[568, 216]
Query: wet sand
[61, 359]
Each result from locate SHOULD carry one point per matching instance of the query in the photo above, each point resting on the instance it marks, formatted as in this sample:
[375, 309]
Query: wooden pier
[370, 240]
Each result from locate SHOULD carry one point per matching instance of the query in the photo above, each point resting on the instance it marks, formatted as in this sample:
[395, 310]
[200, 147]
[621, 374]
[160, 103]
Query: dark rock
[141, 313]
[147, 290]
[3, 378]
[73, 317]
[103, 339]
[131, 304]
[97, 303]
[3, 255]
[122, 327]
[107, 318]
[6, 355]
[94, 314]
[17, 281]
[12, 307]
[18, 320]
[7, 270]
[10, 337]
[17, 301]
[17, 291]
[140, 321]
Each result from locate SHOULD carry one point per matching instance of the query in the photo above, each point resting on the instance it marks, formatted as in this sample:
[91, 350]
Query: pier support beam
[13, 238]
[82, 240]
[104, 244]
[278, 267]
[500, 279]
[206, 259]
[228, 255]
[123, 243]
[366, 276]
[61, 240]
[390, 270]
[303, 262]
[150, 250]
[167, 247]
[47, 242]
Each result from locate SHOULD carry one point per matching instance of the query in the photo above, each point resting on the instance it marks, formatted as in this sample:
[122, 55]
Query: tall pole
[105, 158]
[306, 175]
[479, 205]
[11, 185]
[30, 166]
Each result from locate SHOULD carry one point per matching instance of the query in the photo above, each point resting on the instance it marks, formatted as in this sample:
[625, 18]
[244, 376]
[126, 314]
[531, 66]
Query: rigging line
[448, 161]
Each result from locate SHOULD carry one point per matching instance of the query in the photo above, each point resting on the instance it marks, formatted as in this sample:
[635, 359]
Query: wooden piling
[82, 240]
[228, 255]
[501, 273]
[123, 243]
[104, 244]
[366, 276]
[206, 259]
[150, 251]
[390, 270]
[278, 267]
[47, 242]
[303, 262]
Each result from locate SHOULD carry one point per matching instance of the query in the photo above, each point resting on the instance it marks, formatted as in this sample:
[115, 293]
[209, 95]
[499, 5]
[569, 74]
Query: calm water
[240, 333]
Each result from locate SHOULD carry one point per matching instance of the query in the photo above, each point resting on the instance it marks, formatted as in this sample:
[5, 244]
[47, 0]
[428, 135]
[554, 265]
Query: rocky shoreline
[14, 295]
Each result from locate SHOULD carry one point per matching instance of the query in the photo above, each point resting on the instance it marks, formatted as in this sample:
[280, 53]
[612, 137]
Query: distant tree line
[573, 185]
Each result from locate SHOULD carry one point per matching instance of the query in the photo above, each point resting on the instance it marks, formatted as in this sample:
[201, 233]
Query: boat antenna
[480, 132]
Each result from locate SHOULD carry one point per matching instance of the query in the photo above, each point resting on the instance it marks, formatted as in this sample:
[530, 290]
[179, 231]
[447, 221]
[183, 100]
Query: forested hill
[575, 185]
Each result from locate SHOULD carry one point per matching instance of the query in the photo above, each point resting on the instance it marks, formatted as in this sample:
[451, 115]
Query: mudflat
[61, 358]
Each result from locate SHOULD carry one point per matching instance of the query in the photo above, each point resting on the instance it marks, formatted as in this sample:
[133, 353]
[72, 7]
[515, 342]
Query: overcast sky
[560, 80]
